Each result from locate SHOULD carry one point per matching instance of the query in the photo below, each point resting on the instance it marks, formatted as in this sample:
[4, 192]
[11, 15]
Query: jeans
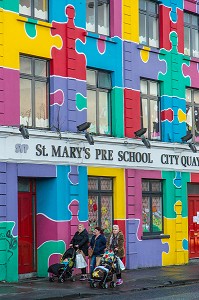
[92, 263]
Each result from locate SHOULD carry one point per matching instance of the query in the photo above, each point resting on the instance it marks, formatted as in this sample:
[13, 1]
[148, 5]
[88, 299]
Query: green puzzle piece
[81, 102]
[173, 81]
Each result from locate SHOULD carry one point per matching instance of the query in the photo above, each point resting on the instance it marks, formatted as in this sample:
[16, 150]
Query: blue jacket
[98, 245]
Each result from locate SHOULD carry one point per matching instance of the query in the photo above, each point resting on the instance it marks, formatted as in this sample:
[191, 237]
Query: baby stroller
[64, 269]
[104, 273]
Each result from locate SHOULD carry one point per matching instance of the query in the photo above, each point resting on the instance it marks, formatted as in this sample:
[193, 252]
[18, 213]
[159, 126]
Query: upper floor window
[148, 15]
[191, 35]
[192, 112]
[152, 212]
[150, 108]
[97, 16]
[98, 101]
[37, 9]
[34, 95]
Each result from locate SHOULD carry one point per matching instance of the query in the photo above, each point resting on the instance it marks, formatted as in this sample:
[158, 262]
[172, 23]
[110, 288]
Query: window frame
[193, 104]
[33, 80]
[97, 90]
[100, 192]
[150, 194]
[32, 15]
[191, 28]
[149, 14]
[149, 98]
[96, 31]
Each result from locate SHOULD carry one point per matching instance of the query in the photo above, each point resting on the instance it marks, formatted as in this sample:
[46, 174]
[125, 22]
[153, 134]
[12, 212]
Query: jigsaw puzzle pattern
[71, 49]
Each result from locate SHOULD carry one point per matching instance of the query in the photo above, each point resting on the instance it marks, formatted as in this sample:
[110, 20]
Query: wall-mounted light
[193, 148]
[83, 126]
[191, 145]
[140, 133]
[89, 138]
[187, 137]
[24, 131]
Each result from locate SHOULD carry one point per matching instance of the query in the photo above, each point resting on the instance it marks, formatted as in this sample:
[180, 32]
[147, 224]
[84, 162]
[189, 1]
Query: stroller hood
[69, 253]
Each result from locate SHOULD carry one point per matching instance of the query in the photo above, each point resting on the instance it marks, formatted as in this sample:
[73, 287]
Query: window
[191, 35]
[152, 219]
[37, 9]
[100, 203]
[34, 100]
[97, 16]
[192, 113]
[149, 23]
[150, 108]
[98, 101]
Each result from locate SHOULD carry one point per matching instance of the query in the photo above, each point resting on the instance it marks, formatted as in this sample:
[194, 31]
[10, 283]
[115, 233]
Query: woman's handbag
[120, 264]
[98, 259]
[90, 252]
[80, 261]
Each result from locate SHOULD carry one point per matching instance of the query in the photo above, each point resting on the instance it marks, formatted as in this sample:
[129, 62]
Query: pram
[104, 273]
[64, 269]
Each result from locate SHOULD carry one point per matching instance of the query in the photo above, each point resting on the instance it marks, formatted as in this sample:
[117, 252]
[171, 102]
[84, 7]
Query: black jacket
[82, 240]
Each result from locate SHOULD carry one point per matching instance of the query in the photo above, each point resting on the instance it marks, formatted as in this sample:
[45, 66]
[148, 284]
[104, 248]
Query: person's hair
[80, 224]
[100, 229]
[116, 226]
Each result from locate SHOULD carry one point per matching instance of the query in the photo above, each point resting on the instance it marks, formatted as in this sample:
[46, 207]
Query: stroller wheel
[112, 284]
[51, 279]
[72, 279]
[105, 285]
[61, 280]
[93, 284]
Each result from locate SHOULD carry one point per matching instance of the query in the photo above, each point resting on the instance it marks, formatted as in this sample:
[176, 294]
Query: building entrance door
[193, 227]
[26, 226]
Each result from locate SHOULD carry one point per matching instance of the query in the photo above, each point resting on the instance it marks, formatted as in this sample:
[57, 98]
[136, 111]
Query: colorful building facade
[56, 179]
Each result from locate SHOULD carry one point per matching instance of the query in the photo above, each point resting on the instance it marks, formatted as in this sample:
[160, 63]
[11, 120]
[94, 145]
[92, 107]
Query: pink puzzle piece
[193, 72]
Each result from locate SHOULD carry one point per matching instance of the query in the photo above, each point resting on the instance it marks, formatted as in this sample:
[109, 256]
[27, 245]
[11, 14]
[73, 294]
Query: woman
[80, 242]
[115, 242]
[98, 244]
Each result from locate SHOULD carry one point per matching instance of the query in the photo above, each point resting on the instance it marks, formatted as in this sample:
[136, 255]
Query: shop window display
[100, 203]
[152, 217]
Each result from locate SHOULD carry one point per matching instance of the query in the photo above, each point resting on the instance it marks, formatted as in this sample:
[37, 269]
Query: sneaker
[83, 277]
[119, 282]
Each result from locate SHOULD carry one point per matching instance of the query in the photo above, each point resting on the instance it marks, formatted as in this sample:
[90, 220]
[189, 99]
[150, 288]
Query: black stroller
[104, 273]
[64, 269]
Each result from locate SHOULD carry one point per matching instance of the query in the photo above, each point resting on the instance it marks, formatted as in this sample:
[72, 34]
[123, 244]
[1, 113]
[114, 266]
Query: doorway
[193, 225]
[27, 225]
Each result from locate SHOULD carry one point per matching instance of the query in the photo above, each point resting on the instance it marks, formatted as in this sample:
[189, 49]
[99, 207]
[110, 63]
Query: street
[182, 292]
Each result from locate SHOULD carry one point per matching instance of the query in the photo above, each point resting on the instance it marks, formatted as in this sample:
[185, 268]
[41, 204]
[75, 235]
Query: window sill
[149, 48]
[100, 37]
[153, 237]
[34, 21]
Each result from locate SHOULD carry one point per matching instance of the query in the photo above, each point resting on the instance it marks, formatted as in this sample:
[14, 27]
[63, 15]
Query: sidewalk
[148, 278]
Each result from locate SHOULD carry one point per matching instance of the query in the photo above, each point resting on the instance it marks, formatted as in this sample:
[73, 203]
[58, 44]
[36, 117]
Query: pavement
[134, 280]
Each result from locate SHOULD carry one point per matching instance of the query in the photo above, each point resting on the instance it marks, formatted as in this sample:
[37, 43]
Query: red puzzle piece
[170, 26]
[67, 62]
